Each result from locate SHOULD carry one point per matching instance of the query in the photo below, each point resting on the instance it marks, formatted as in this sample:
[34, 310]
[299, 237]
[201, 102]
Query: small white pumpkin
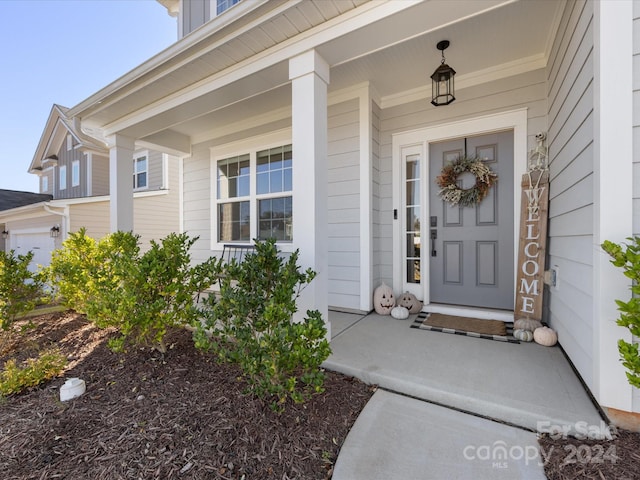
[526, 324]
[545, 336]
[383, 299]
[400, 313]
[410, 302]
[523, 335]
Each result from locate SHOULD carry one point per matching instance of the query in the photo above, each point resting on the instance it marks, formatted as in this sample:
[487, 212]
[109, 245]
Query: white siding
[344, 205]
[570, 139]
[636, 143]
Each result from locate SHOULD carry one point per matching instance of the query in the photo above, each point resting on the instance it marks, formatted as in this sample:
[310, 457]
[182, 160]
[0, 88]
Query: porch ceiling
[395, 54]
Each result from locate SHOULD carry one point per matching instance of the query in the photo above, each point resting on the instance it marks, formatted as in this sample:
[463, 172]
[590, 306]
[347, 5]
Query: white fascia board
[354, 19]
[33, 210]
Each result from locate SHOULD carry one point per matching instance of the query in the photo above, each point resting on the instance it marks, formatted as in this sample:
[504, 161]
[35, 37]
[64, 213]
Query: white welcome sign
[532, 246]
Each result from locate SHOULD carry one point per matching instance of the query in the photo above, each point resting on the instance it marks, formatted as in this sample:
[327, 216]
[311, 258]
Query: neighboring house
[12, 199]
[311, 121]
[73, 171]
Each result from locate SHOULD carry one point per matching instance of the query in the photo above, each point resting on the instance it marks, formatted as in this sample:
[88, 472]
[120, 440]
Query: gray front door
[471, 256]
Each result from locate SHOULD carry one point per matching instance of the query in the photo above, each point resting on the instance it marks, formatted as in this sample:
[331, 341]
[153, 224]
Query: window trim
[251, 146]
[136, 157]
[75, 180]
[213, 8]
[44, 183]
[62, 175]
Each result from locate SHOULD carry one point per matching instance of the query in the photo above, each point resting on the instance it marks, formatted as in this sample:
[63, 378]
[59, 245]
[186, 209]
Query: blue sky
[62, 51]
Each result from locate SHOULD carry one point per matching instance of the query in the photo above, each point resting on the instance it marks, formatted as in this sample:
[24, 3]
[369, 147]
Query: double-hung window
[75, 173]
[140, 169]
[63, 177]
[254, 196]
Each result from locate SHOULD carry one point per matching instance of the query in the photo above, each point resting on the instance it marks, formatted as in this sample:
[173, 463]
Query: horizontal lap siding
[156, 216]
[375, 199]
[343, 204]
[93, 216]
[197, 200]
[524, 90]
[571, 224]
[636, 143]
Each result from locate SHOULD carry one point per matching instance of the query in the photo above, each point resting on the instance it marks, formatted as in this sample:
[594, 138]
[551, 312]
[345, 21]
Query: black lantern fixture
[55, 231]
[5, 234]
[442, 91]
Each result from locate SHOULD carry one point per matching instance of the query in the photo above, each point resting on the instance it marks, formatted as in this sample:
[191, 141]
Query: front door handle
[434, 235]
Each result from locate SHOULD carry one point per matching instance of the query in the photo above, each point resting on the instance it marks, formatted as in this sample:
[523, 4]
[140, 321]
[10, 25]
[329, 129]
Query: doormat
[470, 327]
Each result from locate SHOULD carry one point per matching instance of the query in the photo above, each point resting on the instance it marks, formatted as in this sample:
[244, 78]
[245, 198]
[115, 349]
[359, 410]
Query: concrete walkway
[496, 395]
[397, 437]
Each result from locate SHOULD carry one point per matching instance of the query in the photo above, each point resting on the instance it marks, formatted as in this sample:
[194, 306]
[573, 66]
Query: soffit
[516, 32]
[214, 47]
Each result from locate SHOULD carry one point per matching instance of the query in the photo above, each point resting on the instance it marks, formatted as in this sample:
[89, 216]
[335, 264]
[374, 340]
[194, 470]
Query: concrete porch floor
[525, 385]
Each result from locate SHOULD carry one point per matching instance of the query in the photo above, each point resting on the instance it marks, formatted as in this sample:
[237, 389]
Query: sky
[63, 51]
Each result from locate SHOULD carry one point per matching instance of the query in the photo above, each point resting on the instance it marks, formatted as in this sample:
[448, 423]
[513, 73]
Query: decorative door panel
[471, 252]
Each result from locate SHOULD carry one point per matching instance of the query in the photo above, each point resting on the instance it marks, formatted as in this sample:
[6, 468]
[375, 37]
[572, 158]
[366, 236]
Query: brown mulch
[572, 458]
[146, 415]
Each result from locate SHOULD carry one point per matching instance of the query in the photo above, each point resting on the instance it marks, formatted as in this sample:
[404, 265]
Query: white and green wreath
[452, 193]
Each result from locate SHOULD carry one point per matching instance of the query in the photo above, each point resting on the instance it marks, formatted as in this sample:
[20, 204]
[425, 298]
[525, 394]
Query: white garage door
[41, 244]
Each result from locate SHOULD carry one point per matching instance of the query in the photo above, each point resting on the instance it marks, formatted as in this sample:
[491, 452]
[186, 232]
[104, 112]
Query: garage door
[41, 244]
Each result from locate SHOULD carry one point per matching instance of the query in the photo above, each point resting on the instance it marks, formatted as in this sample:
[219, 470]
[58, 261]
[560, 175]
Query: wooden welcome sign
[534, 212]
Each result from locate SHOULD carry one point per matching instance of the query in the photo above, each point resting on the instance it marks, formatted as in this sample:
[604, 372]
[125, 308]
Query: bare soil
[145, 415]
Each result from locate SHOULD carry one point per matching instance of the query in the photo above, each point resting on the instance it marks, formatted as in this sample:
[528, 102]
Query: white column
[613, 192]
[121, 183]
[309, 74]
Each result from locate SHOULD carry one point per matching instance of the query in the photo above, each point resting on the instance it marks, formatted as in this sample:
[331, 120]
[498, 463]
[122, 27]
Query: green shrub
[140, 295]
[14, 378]
[251, 323]
[19, 287]
[628, 258]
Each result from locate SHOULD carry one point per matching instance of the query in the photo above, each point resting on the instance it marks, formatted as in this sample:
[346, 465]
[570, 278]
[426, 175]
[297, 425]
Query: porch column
[121, 183]
[613, 193]
[309, 75]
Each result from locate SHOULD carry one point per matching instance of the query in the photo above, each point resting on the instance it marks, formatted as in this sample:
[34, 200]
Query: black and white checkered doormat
[509, 338]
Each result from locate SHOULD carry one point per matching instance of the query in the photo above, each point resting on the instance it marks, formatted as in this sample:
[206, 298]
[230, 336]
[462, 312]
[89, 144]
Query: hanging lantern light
[442, 88]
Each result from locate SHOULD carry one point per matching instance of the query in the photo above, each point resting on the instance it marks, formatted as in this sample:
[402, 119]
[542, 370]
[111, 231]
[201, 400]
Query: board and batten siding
[99, 175]
[571, 193]
[636, 143]
[66, 157]
[526, 90]
[343, 204]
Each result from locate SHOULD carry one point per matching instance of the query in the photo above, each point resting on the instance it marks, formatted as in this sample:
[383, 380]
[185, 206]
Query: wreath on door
[453, 194]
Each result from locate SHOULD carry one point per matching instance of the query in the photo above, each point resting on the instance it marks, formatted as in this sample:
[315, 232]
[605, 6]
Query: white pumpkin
[545, 336]
[383, 300]
[410, 302]
[526, 324]
[400, 313]
[523, 335]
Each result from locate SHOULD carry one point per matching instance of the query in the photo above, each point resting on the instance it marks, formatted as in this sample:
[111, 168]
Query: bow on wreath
[452, 193]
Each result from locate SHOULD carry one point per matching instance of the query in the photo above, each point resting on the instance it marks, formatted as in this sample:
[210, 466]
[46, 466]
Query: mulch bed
[146, 415]
[586, 459]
